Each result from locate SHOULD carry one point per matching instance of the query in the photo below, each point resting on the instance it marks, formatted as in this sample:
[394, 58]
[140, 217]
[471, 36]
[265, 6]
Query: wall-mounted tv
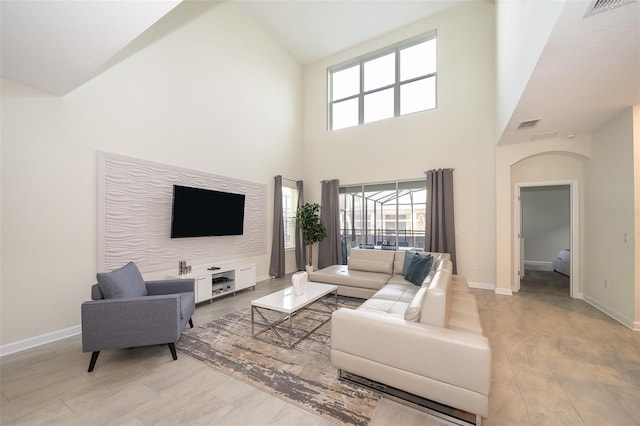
[200, 212]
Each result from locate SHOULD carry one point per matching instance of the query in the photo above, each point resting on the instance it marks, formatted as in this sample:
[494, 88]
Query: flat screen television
[200, 212]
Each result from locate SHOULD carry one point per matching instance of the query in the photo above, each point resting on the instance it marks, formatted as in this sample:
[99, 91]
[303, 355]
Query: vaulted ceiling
[588, 71]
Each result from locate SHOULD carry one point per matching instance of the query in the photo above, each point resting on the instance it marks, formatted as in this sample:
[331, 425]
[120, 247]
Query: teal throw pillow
[126, 281]
[408, 255]
[419, 269]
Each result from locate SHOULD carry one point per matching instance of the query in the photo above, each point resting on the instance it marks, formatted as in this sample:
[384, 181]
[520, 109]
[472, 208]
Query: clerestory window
[393, 81]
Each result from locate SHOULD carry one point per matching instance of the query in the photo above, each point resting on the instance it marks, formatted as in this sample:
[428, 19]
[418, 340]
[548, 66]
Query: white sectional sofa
[425, 340]
[367, 272]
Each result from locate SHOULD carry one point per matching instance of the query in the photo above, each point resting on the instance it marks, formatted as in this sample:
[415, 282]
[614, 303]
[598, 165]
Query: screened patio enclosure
[387, 216]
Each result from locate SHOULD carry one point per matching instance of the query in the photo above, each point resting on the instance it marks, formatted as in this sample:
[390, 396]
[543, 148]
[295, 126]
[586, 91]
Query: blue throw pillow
[419, 269]
[408, 255]
[122, 282]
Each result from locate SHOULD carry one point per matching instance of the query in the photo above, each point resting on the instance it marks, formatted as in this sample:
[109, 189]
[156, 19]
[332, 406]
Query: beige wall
[542, 161]
[611, 216]
[553, 168]
[458, 134]
[209, 89]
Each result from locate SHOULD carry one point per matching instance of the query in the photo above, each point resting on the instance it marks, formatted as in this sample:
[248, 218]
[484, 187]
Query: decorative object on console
[299, 283]
[126, 311]
[308, 221]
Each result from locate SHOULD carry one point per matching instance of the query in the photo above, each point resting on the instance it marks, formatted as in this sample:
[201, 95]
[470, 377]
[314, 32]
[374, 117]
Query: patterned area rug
[302, 376]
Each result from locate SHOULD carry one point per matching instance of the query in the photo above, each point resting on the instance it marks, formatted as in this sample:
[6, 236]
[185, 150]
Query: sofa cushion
[398, 263]
[419, 268]
[122, 282]
[372, 261]
[403, 292]
[436, 303]
[342, 275]
[391, 308]
[413, 310]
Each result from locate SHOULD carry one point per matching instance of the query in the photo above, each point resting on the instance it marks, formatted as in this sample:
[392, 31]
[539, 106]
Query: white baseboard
[262, 278]
[42, 339]
[612, 313]
[504, 291]
[537, 265]
[483, 286]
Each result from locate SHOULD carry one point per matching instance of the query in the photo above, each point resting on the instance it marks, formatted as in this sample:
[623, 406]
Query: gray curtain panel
[440, 236]
[276, 268]
[330, 249]
[301, 252]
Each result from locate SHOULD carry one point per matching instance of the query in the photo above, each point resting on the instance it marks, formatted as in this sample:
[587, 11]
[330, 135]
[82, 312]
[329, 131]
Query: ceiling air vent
[528, 124]
[599, 6]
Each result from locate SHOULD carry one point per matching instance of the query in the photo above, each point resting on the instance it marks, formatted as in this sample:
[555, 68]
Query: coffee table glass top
[285, 301]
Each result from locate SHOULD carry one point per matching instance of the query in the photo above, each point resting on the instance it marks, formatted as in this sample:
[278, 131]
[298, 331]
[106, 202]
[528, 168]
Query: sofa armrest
[129, 322]
[170, 286]
[451, 356]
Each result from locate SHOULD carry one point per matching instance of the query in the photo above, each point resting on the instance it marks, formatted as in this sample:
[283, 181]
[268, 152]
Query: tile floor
[556, 361]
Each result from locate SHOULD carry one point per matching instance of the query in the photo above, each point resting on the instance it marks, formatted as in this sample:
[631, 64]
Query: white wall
[546, 222]
[522, 30]
[458, 134]
[610, 215]
[540, 161]
[209, 90]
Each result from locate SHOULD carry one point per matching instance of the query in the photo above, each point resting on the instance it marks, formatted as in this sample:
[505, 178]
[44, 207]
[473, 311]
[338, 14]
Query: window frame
[396, 85]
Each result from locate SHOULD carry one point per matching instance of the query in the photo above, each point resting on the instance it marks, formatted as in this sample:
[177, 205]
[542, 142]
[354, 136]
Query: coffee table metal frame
[285, 302]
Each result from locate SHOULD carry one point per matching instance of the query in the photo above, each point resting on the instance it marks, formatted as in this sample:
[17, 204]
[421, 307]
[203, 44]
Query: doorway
[546, 237]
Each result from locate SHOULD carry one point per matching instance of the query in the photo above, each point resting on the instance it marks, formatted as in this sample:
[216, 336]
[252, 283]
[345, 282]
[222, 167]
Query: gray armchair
[126, 311]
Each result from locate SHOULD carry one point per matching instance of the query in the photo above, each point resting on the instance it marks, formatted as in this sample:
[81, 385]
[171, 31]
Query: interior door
[518, 241]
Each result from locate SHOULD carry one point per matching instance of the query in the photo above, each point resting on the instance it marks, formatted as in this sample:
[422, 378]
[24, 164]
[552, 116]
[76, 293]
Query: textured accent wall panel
[134, 216]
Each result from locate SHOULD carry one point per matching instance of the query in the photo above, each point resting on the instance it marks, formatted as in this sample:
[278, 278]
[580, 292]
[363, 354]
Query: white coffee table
[288, 304]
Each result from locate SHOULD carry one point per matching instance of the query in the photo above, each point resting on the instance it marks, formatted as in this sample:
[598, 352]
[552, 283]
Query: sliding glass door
[386, 216]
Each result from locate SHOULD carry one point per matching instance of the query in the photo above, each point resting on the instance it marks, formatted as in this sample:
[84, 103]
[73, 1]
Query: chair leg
[191, 322]
[94, 358]
[172, 348]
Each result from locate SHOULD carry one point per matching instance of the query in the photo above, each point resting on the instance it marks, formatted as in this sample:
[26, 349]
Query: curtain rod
[290, 180]
[435, 170]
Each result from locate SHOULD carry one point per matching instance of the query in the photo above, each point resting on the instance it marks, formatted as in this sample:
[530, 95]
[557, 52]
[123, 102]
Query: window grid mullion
[420, 77]
[361, 95]
[396, 87]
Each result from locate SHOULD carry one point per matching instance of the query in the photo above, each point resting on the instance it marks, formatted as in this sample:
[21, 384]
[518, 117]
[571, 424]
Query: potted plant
[308, 221]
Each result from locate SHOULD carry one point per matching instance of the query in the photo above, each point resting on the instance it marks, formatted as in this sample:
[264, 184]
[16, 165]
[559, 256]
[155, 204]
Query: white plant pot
[299, 283]
[309, 268]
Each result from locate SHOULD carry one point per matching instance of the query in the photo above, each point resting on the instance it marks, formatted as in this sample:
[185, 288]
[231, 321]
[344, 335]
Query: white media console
[210, 284]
